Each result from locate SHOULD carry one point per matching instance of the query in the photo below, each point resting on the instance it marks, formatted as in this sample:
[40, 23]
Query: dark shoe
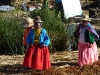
[27, 68]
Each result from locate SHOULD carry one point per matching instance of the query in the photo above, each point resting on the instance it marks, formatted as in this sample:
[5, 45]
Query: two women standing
[37, 56]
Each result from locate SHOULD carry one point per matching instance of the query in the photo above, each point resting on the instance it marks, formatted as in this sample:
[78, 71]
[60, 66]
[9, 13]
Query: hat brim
[29, 25]
[38, 21]
[86, 19]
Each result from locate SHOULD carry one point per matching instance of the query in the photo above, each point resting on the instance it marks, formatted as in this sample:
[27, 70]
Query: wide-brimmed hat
[28, 22]
[86, 18]
[38, 19]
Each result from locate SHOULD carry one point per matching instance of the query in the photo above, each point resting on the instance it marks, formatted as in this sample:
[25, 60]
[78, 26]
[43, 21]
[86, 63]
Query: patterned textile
[90, 28]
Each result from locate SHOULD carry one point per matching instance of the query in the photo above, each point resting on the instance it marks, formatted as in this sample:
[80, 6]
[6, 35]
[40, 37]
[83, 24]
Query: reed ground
[63, 63]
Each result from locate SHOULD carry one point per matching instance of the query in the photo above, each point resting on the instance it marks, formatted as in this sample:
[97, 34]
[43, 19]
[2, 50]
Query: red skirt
[37, 58]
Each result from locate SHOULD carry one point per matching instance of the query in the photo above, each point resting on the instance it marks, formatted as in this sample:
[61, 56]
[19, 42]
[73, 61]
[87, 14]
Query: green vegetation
[12, 31]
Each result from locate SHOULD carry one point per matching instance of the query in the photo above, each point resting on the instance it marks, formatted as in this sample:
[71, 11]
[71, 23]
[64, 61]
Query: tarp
[71, 8]
[6, 8]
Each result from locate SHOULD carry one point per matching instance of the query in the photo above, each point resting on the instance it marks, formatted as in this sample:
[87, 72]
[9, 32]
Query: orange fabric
[26, 31]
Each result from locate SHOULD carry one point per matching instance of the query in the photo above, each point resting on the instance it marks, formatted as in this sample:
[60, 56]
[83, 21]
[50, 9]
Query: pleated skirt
[37, 58]
[86, 55]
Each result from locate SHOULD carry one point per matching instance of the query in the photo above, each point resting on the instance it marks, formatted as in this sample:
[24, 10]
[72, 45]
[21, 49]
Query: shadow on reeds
[65, 63]
[13, 69]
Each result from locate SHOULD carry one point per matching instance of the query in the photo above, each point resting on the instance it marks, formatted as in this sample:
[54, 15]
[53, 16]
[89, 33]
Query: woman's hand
[29, 45]
[42, 46]
[89, 45]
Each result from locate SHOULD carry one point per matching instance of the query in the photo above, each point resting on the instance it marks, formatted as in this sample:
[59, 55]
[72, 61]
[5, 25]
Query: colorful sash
[91, 29]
